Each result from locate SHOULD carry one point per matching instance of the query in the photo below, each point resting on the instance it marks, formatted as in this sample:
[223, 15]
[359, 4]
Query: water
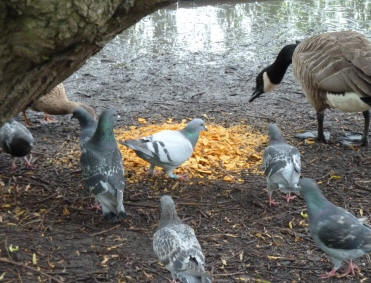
[210, 47]
[248, 29]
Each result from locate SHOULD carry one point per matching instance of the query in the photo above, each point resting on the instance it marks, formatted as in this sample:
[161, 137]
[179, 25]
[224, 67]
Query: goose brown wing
[345, 63]
[336, 62]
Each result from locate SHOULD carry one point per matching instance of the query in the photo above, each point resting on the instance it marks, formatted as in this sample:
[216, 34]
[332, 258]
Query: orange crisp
[221, 153]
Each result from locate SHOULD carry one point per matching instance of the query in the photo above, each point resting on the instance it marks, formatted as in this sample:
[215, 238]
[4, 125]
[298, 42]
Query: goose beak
[256, 94]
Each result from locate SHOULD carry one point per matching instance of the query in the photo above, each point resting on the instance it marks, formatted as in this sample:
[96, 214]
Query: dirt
[48, 234]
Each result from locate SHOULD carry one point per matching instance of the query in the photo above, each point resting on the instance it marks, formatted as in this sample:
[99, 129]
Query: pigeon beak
[205, 129]
[118, 116]
[256, 94]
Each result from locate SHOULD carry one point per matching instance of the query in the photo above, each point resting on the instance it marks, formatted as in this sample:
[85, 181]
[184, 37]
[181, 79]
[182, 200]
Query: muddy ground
[44, 211]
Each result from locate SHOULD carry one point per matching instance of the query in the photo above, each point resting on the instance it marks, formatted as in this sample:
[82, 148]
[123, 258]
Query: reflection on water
[229, 27]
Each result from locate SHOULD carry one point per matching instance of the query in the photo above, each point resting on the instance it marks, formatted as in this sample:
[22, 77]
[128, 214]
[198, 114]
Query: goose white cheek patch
[268, 85]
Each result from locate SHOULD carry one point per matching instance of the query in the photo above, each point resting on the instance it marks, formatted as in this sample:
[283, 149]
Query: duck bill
[256, 94]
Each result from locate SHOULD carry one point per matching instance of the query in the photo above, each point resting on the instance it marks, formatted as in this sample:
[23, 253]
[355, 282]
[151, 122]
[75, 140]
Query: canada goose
[334, 70]
[56, 102]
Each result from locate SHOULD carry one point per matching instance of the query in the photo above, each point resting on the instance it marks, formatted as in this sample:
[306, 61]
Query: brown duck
[55, 102]
[334, 70]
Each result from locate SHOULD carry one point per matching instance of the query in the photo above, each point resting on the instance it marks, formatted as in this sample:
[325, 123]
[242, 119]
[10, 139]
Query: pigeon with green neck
[168, 149]
[341, 235]
[102, 169]
[88, 124]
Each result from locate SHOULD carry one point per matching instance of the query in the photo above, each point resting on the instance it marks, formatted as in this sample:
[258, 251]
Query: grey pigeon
[16, 140]
[88, 124]
[176, 246]
[282, 165]
[337, 232]
[102, 169]
[168, 148]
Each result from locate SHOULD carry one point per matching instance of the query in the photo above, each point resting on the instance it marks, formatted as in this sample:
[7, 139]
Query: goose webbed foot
[325, 137]
[354, 140]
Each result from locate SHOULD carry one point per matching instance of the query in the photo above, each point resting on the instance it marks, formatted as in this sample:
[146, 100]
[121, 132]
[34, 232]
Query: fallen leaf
[66, 212]
[13, 249]
[272, 257]
[34, 259]
[142, 121]
[304, 215]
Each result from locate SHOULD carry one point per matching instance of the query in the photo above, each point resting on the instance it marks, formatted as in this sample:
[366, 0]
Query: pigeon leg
[289, 197]
[95, 206]
[332, 273]
[181, 177]
[13, 166]
[272, 201]
[49, 119]
[151, 170]
[28, 162]
[350, 269]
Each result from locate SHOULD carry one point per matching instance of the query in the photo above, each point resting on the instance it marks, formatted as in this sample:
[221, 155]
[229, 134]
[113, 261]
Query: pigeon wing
[178, 248]
[342, 230]
[273, 160]
[165, 147]
[116, 175]
[295, 156]
[94, 172]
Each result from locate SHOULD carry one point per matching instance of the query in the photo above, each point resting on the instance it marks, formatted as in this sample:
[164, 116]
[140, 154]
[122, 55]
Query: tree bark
[42, 42]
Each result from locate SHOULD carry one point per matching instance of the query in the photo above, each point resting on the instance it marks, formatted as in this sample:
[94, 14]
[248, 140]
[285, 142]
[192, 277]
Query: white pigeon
[168, 148]
[176, 246]
[16, 140]
[282, 165]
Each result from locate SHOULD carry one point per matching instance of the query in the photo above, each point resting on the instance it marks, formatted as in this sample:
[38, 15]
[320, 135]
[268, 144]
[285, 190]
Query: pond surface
[210, 49]
[247, 29]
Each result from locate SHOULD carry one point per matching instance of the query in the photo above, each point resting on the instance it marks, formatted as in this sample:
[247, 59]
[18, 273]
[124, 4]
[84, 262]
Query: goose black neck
[277, 70]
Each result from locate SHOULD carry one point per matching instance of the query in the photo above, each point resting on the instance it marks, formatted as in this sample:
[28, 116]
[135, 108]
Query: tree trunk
[42, 42]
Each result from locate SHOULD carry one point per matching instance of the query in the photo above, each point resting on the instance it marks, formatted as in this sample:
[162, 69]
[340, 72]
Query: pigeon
[337, 232]
[282, 165]
[176, 246]
[102, 169]
[16, 140]
[168, 148]
[87, 122]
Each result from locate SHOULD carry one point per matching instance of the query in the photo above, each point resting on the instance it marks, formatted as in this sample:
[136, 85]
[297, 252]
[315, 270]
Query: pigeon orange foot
[289, 197]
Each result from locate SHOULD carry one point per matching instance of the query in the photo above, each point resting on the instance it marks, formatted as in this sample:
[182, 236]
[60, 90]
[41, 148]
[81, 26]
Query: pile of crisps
[221, 153]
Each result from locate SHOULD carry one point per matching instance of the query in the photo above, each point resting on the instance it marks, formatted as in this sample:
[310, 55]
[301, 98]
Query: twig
[230, 274]
[3, 259]
[154, 271]
[104, 231]
[129, 203]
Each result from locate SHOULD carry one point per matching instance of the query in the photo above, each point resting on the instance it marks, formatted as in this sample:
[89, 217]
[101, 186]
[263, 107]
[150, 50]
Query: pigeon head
[311, 192]
[84, 117]
[193, 129]
[90, 110]
[20, 146]
[105, 126]
[168, 211]
[274, 133]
